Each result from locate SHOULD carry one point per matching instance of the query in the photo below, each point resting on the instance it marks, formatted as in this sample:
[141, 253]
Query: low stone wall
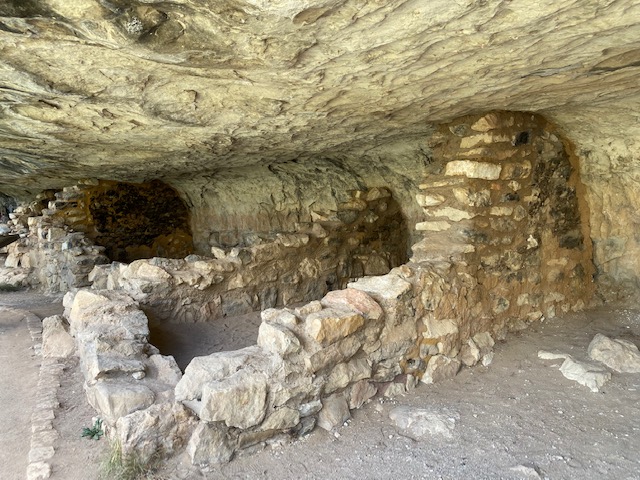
[125, 377]
[366, 236]
[310, 366]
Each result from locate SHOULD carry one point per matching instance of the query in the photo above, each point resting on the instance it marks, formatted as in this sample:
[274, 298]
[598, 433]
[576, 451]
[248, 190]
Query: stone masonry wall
[367, 235]
[503, 204]
[505, 242]
[54, 257]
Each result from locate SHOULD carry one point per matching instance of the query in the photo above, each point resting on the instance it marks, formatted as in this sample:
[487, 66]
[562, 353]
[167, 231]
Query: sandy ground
[518, 418]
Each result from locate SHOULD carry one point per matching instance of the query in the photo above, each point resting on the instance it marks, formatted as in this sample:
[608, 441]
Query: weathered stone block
[282, 419]
[56, 339]
[471, 169]
[361, 392]
[453, 214]
[279, 316]
[277, 339]
[332, 324]
[210, 444]
[345, 373]
[591, 375]
[470, 353]
[213, 368]
[617, 354]
[436, 226]
[429, 200]
[163, 368]
[443, 332]
[239, 400]
[440, 367]
[333, 354]
[390, 291]
[335, 411]
[160, 429]
[117, 399]
[353, 299]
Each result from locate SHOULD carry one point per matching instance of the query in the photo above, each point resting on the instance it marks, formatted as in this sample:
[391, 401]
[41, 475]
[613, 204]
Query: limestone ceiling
[160, 89]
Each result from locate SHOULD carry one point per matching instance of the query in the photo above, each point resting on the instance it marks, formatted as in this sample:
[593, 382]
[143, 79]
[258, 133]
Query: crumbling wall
[51, 255]
[131, 220]
[504, 205]
[365, 235]
[505, 242]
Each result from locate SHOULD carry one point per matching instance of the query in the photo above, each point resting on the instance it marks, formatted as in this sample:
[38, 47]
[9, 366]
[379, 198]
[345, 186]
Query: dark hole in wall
[521, 139]
[136, 221]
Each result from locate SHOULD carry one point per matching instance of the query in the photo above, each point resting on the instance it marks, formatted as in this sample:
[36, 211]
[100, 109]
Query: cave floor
[517, 418]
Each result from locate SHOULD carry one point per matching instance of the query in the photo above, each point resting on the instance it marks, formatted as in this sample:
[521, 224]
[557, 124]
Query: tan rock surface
[258, 92]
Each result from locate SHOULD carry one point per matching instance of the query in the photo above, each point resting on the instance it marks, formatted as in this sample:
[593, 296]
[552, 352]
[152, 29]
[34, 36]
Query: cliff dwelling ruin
[262, 215]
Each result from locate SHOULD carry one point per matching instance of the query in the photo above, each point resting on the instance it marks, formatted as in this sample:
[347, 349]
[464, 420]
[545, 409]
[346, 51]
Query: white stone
[213, 368]
[57, 342]
[117, 399]
[617, 354]
[545, 355]
[418, 423]
[218, 253]
[436, 226]
[591, 375]
[164, 369]
[471, 169]
[210, 444]
[283, 418]
[483, 139]
[453, 214]
[279, 316]
[470, 353]
[429, 200]
[277, 339]
[38, 471]
[164, 427]
[484, 341]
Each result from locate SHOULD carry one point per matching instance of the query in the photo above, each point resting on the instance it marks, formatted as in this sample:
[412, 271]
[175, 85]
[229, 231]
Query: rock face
[258, 103]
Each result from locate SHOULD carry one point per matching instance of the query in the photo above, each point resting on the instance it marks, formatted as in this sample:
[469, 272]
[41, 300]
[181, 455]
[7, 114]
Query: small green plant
[95, 432]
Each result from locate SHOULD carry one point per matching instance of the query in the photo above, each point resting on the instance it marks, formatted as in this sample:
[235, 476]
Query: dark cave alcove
[138, 220]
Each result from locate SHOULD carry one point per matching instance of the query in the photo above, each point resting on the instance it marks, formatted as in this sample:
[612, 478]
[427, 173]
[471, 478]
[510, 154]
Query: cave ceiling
[135, 90]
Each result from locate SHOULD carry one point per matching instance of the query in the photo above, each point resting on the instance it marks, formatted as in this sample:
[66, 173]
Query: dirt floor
[518, 418]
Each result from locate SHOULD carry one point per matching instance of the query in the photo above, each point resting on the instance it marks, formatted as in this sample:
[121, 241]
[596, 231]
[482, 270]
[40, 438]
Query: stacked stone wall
[53, 256]
[367, 235]
[501, 206]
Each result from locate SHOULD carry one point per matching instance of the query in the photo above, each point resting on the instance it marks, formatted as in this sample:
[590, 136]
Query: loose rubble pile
[619, 355]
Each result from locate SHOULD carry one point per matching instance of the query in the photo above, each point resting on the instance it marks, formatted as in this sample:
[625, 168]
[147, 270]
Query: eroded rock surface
[224, 98]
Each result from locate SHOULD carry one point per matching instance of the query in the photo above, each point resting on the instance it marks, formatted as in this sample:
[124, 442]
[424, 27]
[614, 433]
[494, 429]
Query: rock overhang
[138, 90]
